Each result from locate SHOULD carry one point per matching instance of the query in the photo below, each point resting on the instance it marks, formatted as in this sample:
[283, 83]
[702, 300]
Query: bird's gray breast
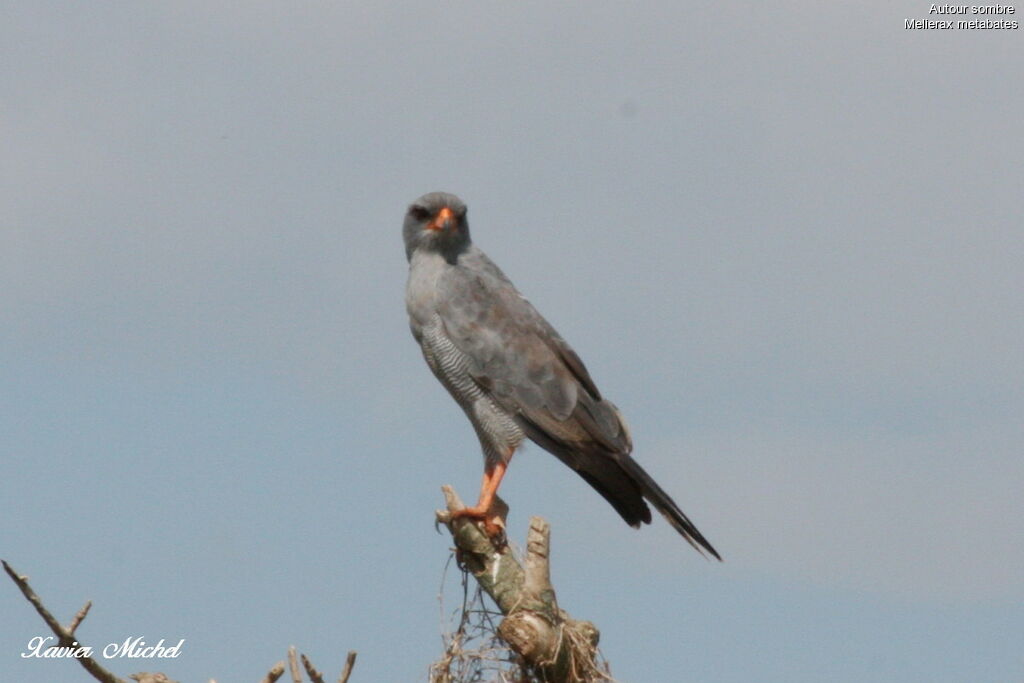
[431, 280]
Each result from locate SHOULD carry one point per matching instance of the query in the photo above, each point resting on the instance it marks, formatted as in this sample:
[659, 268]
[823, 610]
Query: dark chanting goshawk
[513, 374]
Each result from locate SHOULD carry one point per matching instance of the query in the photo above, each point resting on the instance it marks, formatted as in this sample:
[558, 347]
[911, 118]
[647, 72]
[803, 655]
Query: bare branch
[350, 661]
[75, 650]
[293, 664]
[65, 638]
[151, 677]
[79, 617]
[275, 673]
[314, 675]
[553, 644]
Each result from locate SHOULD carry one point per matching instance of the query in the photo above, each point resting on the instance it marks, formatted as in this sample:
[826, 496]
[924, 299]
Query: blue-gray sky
[787, 240]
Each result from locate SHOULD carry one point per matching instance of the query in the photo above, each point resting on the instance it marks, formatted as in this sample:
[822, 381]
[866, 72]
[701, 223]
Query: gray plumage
[511, 372]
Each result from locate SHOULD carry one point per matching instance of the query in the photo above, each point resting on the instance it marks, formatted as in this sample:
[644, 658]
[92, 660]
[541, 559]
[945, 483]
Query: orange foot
[494, 525]
[483, 511]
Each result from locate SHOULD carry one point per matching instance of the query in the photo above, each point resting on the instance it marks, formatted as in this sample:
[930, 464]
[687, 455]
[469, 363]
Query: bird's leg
[493, 525]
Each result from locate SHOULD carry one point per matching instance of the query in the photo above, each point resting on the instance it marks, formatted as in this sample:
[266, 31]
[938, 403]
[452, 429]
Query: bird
[513, 375]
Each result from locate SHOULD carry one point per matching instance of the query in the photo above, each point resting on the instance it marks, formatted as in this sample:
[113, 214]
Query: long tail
[625, 484]
[664, 504]
[606, 465]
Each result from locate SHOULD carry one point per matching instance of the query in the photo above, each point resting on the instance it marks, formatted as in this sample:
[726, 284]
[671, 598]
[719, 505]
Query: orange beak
[442, 220]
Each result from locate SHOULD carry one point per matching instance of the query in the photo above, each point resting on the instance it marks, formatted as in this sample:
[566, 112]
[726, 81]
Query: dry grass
[473, 653]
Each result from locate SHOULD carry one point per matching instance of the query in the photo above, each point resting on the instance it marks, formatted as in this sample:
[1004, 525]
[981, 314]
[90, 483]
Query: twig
[293, 664]
[350, 661]
[314, 675]
[79, 617]
[65, 637]
[275, 673]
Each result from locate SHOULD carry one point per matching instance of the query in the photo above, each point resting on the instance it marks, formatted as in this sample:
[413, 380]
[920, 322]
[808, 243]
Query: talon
[493, 526]
[488, 506]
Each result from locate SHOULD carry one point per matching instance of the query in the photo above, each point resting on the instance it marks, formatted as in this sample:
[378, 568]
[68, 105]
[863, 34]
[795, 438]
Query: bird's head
[436, 222]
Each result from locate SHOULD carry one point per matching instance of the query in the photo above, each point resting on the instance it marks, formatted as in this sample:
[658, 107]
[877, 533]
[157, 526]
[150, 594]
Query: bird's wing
[519, 359]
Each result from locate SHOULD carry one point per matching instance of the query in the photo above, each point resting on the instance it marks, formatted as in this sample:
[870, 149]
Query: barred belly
[497, 430]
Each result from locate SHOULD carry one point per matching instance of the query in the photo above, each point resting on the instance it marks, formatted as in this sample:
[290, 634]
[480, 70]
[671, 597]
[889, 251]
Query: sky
[786, 239]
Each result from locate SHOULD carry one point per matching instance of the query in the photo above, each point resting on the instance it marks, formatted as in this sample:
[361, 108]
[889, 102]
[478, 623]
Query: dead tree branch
[293, 665]
[80, 617]
[275, 673]
[75, 650]
[350, 661]
[65, 636]
[556, 647]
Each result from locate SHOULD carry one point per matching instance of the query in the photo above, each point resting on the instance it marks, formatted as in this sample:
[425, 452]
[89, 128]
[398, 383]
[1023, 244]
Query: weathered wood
[555, 646]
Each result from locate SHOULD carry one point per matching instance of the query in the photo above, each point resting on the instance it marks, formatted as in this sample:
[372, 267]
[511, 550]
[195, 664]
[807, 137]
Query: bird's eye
[419, 213]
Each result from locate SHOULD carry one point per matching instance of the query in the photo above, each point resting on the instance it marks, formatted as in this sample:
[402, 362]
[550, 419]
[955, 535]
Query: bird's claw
[441, 517]
[493, 526]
